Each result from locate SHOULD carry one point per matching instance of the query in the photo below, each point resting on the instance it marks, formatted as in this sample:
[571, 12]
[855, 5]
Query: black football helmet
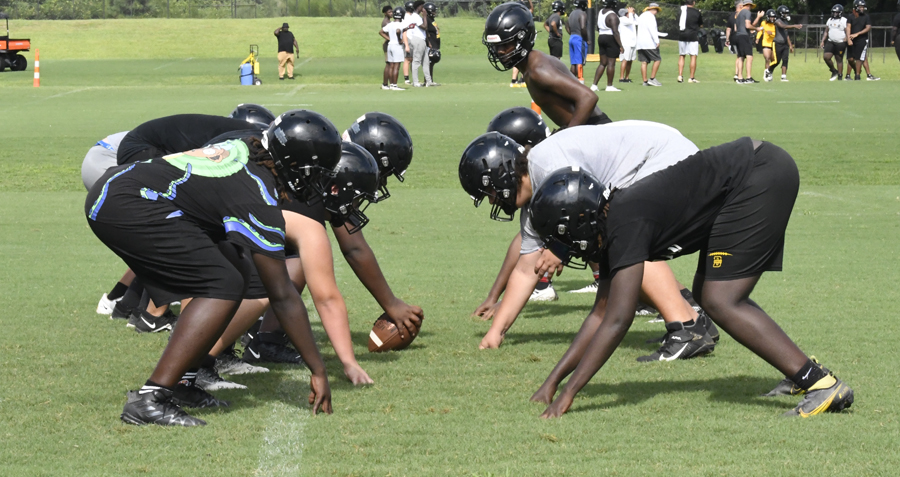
[509, 24]
[399, 13]
[408, 6]
[837, 10]
[521, 124]
[771, 15]
[351, 187]
[610, 4]
[558, 6]
[487, 168]
[784, 13]
[582, 4]
[860, 6]
[567, 213]
[434, 55]
[253, 114]
[305, 147]
[431, 9]
[388, 142]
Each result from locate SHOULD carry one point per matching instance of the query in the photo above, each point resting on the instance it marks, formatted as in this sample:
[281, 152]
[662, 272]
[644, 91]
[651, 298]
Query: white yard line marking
[303, 62]
[172, 63]
[70, 92]
[283, 440]
[291, 92]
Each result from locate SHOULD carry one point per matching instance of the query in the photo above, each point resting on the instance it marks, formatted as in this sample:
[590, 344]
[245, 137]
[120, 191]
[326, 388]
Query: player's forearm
[506, 269]
[521, 284]
[573, 355]
[584, 106]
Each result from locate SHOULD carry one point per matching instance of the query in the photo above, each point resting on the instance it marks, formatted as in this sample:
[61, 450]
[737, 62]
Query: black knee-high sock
[132, 297]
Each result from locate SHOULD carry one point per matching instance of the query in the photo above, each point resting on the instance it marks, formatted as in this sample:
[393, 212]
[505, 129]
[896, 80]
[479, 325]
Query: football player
[783, 45]
[834, 42]
[509, 37]
[189, 224]
[858, 39]
[391, 144]
[553, 25]
[493, 166]
[732, 204]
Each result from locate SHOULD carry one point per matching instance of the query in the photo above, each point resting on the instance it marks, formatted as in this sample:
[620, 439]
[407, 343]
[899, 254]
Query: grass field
[442, 406]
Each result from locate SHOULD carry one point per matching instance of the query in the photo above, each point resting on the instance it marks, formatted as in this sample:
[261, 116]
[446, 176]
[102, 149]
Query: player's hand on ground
[548, 263]
[408, 318]
[545, 393]
[320, 394]
[357, 375]
[559, 406]
[491, 340]
[486, 309]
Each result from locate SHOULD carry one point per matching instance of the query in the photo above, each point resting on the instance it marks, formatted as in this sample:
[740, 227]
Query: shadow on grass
[633, 339]
[732, 389]
[550, 310]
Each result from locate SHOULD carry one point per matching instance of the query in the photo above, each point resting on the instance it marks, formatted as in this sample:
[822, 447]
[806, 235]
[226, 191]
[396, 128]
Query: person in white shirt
[416, 44]
[393, 33]
[648, 44]
[629, 41]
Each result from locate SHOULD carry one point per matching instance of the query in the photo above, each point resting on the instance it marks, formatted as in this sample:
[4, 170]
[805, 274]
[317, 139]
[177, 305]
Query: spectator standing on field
[408, 6]
[744, 44]
[388, 13]
[689, 22]
[553, 25]
[648, 44]
[417, 46]
[730, 40]
[858, 40]
[432, 38]
[609, 45]
[287, 50]
[393, 33]
[629, 41]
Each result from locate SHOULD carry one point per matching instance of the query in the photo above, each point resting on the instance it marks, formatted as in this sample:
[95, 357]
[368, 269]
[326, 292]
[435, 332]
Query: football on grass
[386, 337]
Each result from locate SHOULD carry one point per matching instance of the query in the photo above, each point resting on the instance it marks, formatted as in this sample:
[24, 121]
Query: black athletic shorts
[176, 259]
[744, 45]
[747, 236]
[607, 46]
[782, 53]
[858, 49]
[556, 47]
[601, 118]
[836, 49]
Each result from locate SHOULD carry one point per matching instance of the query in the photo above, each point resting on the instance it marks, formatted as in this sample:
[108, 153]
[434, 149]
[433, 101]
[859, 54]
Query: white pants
[419, 58]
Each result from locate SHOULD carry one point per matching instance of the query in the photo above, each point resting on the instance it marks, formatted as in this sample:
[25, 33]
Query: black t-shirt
[896, 24]
[692, 25]
[217, 188]
[554, 18]
[178, 133]
[671, 212]
[858, 23]
[285, 41]
[780, 33]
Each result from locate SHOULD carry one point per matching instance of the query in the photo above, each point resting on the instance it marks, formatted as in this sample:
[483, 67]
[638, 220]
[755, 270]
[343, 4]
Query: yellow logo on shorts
[717, 258]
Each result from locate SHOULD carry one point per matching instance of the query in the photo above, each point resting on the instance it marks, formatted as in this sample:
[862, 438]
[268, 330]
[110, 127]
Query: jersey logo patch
[718, 257]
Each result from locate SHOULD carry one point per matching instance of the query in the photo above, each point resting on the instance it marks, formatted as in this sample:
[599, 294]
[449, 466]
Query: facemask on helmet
[388, 142]
[351, 187]
[487, 169]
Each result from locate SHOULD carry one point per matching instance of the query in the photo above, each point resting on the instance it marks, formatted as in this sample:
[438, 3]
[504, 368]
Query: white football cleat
[612, 89]
[547, 294]
[105, 306]
[594, 88]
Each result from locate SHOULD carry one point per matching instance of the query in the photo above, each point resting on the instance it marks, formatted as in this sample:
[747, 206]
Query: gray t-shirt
[575, 22]
[99, 158]
[618, 154]
[740, 27]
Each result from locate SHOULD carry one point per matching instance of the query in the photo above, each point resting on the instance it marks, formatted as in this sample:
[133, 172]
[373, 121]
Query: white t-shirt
[837, 29]
[414, 19]
[647, 35]
[626, 30]
[391, 29]
[617, 154]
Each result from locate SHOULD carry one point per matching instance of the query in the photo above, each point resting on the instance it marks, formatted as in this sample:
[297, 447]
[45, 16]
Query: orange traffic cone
[37, 68]
[535, 108]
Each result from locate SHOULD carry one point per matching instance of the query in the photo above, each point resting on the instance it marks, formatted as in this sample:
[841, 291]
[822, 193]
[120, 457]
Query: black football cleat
[186, 394]
[681, 343]
[271, 348]
[144, 322]
[829, 394]
[156, 407]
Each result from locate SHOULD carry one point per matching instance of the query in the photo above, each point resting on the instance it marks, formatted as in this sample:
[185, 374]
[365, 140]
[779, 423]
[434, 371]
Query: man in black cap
[287, 45]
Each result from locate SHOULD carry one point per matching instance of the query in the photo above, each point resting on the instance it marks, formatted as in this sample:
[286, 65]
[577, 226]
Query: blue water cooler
[246, 74]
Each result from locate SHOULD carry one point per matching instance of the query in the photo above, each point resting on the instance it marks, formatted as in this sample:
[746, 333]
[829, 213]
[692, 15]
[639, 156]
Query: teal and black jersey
[215, 187]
